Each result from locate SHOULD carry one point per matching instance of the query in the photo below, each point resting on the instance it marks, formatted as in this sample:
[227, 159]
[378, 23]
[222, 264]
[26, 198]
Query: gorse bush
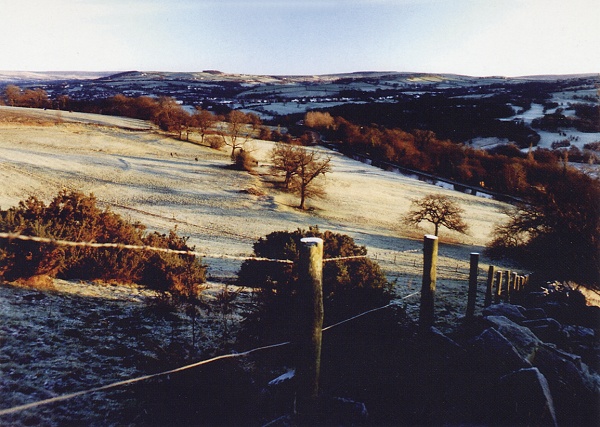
[76, 217]
[349, 286]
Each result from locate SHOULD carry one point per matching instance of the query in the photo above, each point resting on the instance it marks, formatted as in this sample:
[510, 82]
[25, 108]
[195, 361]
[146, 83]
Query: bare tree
[237, 133]
[203, 120]
[310, 165]
[284, 161]
[439, 210]
[171, 117]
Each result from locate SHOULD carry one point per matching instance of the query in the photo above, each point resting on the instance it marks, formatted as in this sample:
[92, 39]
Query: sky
[302, 37]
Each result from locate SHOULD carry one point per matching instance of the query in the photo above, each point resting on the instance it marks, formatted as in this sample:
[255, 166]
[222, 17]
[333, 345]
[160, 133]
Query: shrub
[349, 286]
[244, 161]
[73, 216]
[215, 142]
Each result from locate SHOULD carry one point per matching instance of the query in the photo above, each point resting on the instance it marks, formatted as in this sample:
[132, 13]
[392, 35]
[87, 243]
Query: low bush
[74, 216]
[215, 142]
[244, 161]
[349, 286]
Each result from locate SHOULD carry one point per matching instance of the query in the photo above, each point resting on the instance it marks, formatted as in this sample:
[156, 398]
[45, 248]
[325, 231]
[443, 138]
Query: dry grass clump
[253, 191]
[23, 119]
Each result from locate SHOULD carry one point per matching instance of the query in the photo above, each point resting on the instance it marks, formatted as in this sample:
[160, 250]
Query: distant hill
[46, 76]
[482, 111]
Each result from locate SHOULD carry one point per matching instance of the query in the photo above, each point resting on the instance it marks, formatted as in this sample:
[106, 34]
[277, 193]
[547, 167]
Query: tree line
[554, 233]
[505, 169]
[556, 228]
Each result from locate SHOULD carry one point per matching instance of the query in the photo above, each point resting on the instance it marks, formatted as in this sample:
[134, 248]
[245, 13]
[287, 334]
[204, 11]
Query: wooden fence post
[498, 287]
[490, 285]
[507, 283]
[430, 253]
[472, 295]
[310, 306]
[513, 285]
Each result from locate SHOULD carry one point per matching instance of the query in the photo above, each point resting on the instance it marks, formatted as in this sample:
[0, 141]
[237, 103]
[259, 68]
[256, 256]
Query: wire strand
[64, 397]
[13, 236]
[134, 380]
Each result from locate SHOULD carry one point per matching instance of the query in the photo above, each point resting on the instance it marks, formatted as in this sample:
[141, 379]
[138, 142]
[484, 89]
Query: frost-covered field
[82, 335]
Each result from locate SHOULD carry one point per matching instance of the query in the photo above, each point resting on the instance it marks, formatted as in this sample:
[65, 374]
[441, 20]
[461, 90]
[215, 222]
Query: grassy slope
[165, 183]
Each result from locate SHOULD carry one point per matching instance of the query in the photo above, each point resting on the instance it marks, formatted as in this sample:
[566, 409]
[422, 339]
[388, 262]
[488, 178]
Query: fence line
[344, 258]
[12, 236]
[135, 380]
[426, 317]
[116, 384]
[368, 312]
[17, 236]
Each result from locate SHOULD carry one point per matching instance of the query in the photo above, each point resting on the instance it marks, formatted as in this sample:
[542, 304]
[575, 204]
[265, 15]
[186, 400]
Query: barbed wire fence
[17, 236]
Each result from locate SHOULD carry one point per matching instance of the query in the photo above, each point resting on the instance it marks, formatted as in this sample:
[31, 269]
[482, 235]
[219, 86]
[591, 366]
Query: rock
[534, 299]
[288, 376]
[580, 333]
[575, 391]
[522, 339]
[524, 398]
[279, 395]
[444, 344]
[535, 313]
[547, 329]
[498, 353]
[553, 308]
[512, 312]
[546, 321]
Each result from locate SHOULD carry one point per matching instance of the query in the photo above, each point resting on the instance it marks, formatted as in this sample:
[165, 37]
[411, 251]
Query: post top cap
[431, 237]
[316, 240]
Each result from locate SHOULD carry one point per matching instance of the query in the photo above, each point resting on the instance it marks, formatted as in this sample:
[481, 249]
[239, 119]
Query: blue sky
[472, 37]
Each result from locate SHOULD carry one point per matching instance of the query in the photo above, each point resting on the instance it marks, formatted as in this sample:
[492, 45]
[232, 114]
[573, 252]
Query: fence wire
[13, 236]
[103, 388]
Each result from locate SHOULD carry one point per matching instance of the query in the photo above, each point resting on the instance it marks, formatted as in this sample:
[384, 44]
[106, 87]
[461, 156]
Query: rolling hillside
[74, 336]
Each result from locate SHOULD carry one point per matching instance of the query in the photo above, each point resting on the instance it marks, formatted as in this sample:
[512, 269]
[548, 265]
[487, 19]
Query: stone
[580, 333]
[443, 343]
[574, 390]
[524, 398]
[522, 339]
[497, 353]
[512, 312]
[535, 299]
[547, 329]
[535, 313]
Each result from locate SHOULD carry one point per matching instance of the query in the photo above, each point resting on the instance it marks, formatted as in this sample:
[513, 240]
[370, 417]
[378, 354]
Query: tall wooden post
[310, 319]
[489, 287]
[430, 253]
[472, 295]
